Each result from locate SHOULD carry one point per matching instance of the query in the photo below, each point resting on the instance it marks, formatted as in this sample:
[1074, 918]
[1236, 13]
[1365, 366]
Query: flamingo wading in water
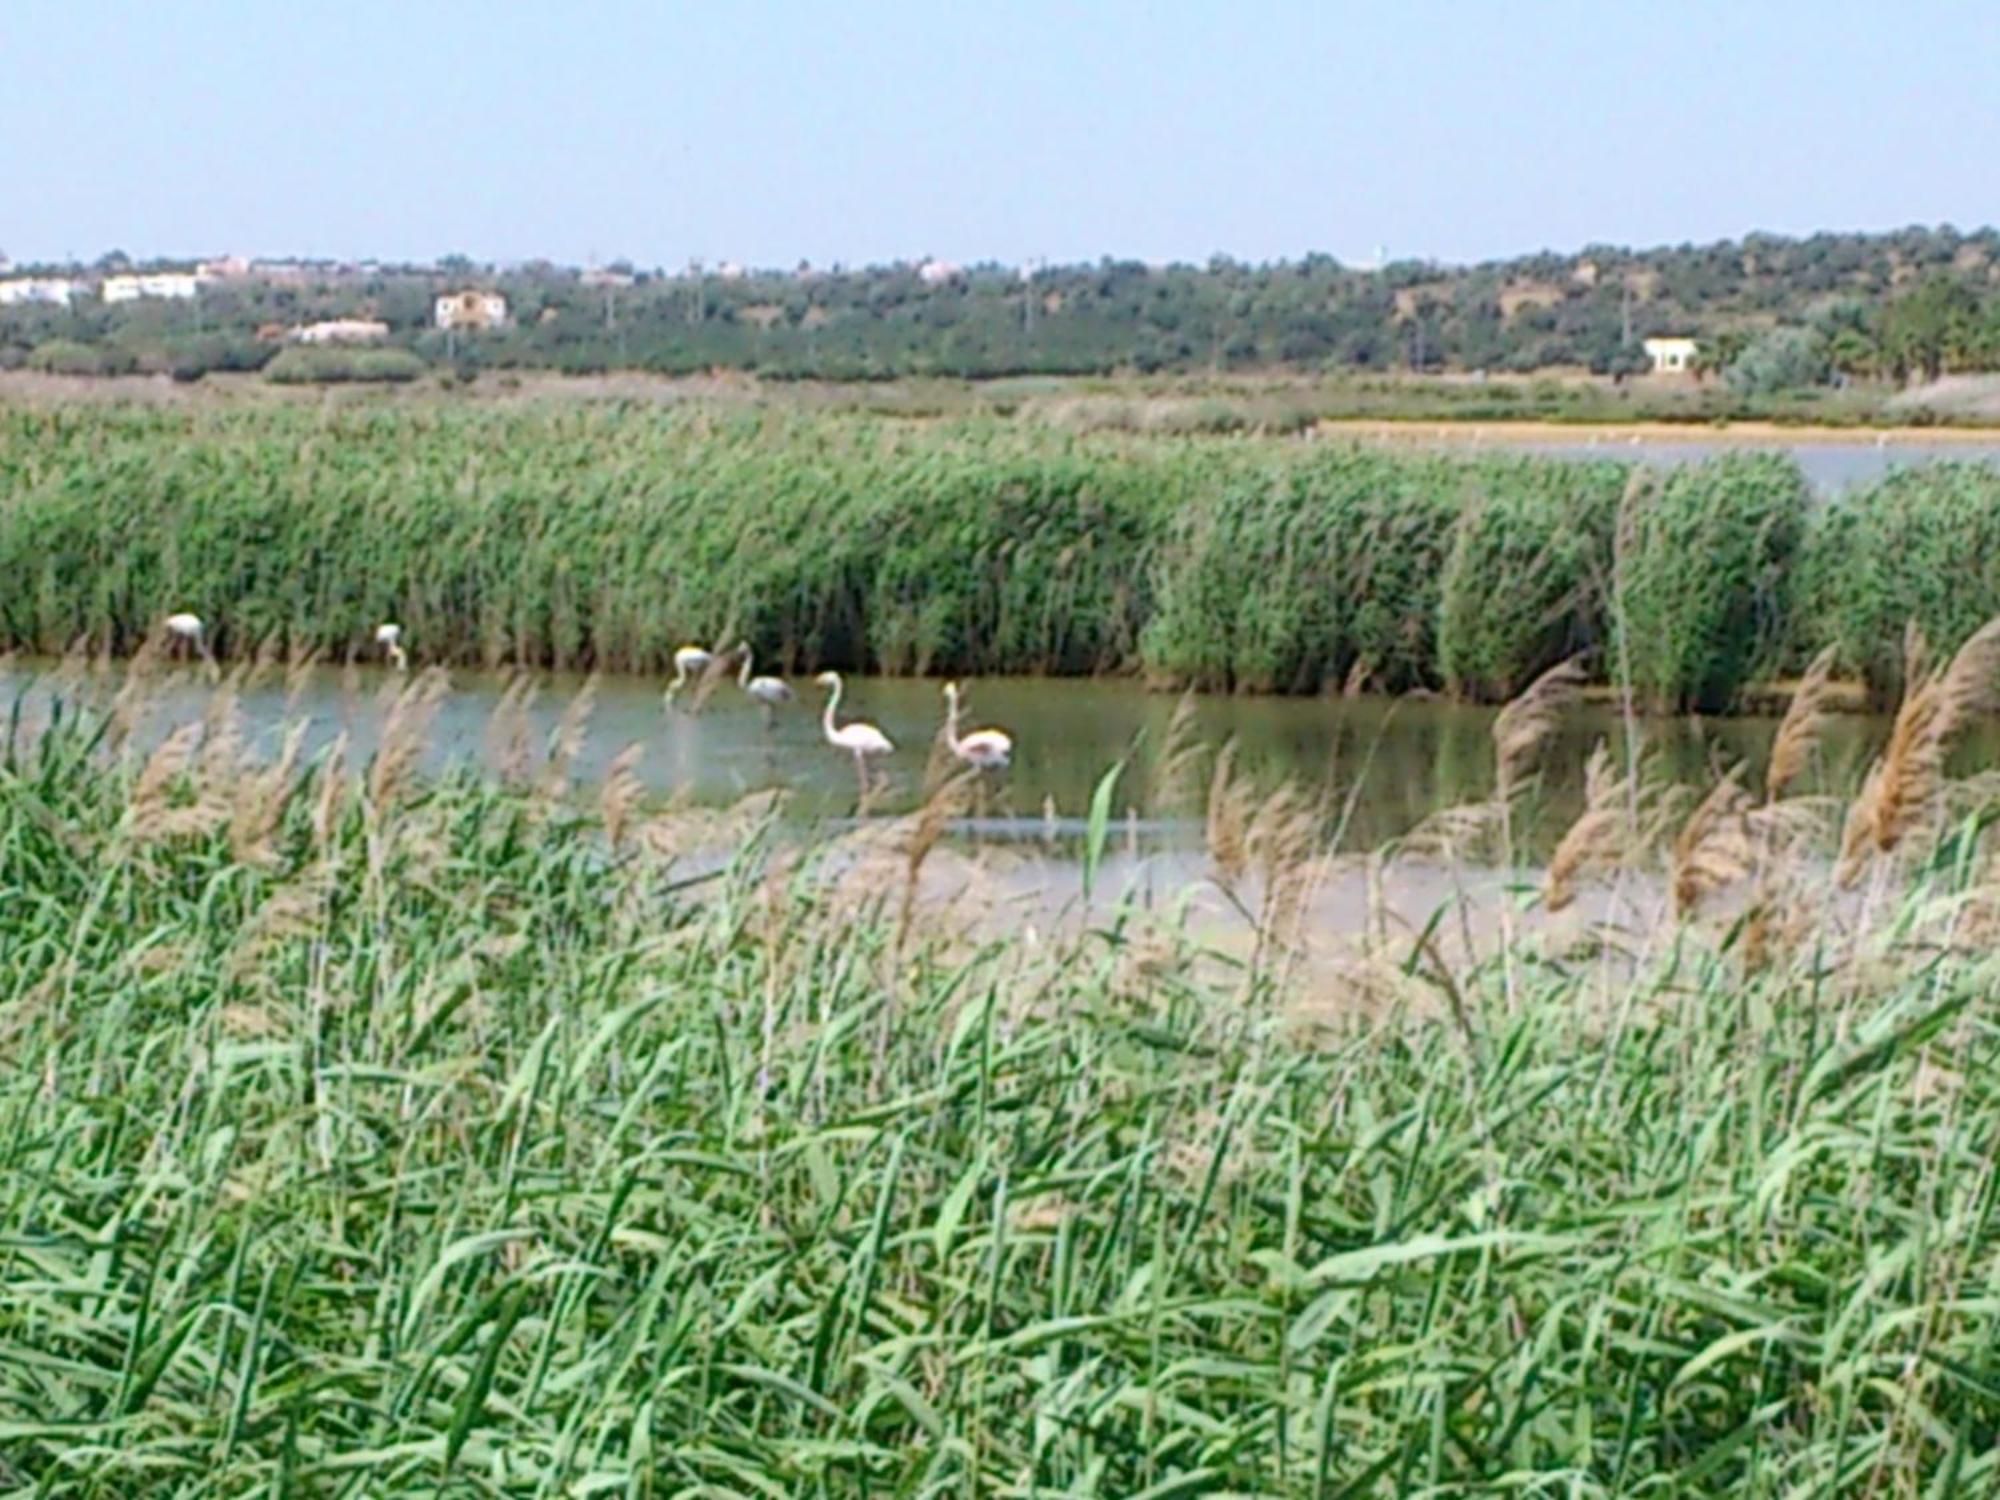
[187, 628]
[689, 662]
[859, 738]
[390, 638]
[768, 691]
[984, 749]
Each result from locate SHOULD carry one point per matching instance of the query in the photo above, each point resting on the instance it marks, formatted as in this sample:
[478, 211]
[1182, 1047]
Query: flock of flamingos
[983, 749]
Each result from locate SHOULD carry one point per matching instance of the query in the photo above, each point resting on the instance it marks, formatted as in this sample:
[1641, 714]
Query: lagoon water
[1377, 766]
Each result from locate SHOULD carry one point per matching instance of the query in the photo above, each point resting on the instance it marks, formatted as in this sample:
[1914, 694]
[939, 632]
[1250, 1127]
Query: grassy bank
[608, 535]
[364, 1136]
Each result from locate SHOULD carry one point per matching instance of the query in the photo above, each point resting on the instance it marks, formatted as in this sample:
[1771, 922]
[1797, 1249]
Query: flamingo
[983, 749]
[860, 738]
[688, 661]
[188, 627]
[390, 638]
[768, 691]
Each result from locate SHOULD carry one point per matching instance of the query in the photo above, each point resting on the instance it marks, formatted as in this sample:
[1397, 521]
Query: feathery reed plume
[156, 811]
[1602, 834]
[509, 730]
[621, 794]
[1799, 731]
[404, 736]
[945, 805]
[260, 801]
[566, 744]
[134, 695]
[1526, 724]
[1904, 786]
[1177, 773]
[298, 677]
[1357, 678]
[1714, 848]
[332, 790]
[1281, 843]
[1229, 813]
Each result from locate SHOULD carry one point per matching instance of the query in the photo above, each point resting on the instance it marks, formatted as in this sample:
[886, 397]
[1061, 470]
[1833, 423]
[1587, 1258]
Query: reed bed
[370, 1135]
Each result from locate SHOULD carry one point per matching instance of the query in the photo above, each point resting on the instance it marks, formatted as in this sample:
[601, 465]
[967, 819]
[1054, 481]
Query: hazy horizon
[769, 134]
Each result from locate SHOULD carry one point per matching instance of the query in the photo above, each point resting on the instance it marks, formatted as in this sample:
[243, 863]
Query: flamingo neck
[951, 723]
[832, 703]
[743, 672]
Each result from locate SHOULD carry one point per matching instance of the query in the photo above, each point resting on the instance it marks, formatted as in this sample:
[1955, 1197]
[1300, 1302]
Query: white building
[1671, 356]
[57, 291]
[939, 272]
[471, 310]
[341, 331]
[174, 285]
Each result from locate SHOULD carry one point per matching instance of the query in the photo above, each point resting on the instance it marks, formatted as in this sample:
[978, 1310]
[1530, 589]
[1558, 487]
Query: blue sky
[768, 132]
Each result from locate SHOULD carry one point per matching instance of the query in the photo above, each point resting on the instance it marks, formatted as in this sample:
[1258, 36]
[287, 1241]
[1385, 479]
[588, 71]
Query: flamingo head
[828, 679]
[951, 692]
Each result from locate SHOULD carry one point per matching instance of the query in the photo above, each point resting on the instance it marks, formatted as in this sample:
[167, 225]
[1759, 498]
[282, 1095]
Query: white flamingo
[187, 628]
[689, 661]
[390, 638]
[984, 749]
[769, 692]
[859, 738]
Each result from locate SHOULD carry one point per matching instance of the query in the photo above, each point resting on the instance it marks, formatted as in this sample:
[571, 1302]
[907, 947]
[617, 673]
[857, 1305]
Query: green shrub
[316, 366]
[1704, 569]
[67, 357]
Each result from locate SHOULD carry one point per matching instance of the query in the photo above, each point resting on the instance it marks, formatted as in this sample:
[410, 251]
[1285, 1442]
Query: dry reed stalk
[945, 805]
[404, 737]
[621, 794]
[1602, 836]
[298, 678]
[1357, 679]
[1714, 848]
[135, 694]
[259, 805]
[1799, 731]
[1528, 722]
[156, 812]
[1229, 815]
[328, 800]
[510, 732]
[1904, 787]
[1177, 772]
[566, 745]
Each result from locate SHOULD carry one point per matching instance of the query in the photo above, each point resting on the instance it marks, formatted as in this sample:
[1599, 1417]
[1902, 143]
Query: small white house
[341, 331]
[170, 285]
[939, 272]
[21, 291]
[1671, 356]
[471, 310]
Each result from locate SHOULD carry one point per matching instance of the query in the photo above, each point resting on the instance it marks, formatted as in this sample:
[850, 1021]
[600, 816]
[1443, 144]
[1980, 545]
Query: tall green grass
[1705, 559]
[370, 1138]
[1527, 579]
[1923, 545]
[573, 535]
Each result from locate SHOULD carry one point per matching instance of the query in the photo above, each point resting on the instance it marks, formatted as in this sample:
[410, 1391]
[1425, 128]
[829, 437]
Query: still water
[1828, 467]
[1378, 766]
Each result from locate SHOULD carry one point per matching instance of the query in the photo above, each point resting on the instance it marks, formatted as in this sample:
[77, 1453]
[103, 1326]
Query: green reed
[365, 1137]
[570, 535]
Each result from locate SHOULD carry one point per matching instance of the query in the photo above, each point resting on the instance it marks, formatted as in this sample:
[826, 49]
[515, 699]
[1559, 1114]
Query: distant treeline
[1772, 312]
[607, 536]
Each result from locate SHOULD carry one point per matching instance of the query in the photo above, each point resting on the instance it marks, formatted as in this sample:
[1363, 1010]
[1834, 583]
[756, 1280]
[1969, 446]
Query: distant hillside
[1771, 312]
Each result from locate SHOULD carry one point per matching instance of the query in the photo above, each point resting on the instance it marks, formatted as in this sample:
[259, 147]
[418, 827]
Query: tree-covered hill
[1770, 310]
